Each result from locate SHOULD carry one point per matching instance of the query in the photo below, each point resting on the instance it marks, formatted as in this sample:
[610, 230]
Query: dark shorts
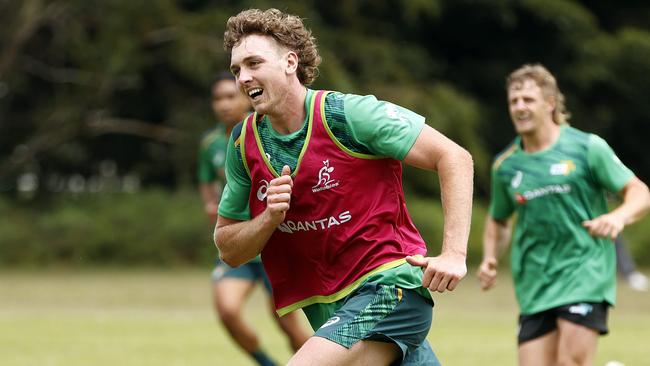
[589, 314]
[251, 271]
[384, 313]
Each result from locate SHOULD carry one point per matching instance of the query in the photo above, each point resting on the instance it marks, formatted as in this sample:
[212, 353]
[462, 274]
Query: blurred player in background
[554, 177]
[231, 286]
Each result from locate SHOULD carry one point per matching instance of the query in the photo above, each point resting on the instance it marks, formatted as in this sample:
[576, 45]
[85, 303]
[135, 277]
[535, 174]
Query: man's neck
[291, 114]
[542, 138]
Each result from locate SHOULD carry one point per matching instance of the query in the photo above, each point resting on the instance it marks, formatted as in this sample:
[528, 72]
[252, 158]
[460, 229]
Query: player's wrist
[271, 220]
[490, 259]
[456, 256]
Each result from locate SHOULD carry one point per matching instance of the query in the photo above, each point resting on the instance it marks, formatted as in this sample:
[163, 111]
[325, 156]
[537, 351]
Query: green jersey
[554, 259]
[212, 156]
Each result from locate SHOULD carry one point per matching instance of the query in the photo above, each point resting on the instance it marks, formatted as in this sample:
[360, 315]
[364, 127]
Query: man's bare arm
[496, 237]
[636, 203]
[433, 151]
[241, 241]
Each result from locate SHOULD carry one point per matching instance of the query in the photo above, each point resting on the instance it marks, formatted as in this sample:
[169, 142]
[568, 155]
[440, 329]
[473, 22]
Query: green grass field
[139, 317]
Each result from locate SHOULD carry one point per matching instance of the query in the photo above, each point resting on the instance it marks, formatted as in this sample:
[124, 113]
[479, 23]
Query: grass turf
[154, 317]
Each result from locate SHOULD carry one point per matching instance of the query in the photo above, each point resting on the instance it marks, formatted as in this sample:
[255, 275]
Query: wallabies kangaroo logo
[325, 180]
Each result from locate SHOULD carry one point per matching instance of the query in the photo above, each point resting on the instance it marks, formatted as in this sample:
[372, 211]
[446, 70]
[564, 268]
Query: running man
[315, 185]
[231, 286]
[554, 177]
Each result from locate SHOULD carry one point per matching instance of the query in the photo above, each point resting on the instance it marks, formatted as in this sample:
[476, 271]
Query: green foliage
[67, 68]
[151, 228]
[71, 64]
[169, 229]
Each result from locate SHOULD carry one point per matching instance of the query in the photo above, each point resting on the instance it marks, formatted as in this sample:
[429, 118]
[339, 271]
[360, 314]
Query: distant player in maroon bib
[314, 184]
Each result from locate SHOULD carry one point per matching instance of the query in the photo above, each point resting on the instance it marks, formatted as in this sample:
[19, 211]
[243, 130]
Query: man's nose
[519, 104]
[244, 76]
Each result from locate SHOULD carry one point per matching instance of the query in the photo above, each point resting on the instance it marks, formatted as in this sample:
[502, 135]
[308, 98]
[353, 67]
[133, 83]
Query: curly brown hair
[288, 30]
[546, 81]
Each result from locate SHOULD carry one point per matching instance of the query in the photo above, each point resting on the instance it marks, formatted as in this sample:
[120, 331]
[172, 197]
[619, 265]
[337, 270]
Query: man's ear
[292, 62]
[552, 103]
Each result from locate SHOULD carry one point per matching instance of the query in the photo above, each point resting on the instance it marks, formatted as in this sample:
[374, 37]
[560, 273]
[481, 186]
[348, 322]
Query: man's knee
[577, 353]
[229, 314]
[572, 359]
[577, 344]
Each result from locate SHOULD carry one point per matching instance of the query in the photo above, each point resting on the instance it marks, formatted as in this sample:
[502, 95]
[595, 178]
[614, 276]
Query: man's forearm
[636, 202]
[496, 235]
[241, 241]
[456, 174]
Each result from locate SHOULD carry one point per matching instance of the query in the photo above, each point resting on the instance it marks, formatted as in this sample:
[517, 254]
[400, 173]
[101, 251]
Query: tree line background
[102, 104]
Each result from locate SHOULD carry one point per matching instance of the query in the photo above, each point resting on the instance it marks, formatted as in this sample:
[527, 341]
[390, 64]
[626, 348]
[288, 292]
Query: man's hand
[605, 226]
[441, 273]
[278, 196]
[487, 273]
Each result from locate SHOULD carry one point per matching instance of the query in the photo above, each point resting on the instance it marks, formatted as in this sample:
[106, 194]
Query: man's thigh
[577, 343]
[323, 352]
[540, 351]
[230, 293]
[231, 286]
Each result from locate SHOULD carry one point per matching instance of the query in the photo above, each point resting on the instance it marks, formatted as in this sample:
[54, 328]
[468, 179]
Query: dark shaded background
[107, 98]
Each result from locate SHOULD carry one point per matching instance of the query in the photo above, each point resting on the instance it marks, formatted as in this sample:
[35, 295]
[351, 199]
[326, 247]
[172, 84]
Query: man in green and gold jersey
[554, 178]
[231, 286]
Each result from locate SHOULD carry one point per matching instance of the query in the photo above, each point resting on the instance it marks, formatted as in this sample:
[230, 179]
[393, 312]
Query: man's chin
[523, 128]
[261, 108]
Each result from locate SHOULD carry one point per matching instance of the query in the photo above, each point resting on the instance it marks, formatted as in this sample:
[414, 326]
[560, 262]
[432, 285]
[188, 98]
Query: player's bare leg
[292, 326]
[323, 352]
[576, 344]
[541, 351]
[229, 295]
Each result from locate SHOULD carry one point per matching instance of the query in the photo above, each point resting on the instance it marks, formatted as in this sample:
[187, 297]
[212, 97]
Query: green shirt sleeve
[384, 128]
[234, 199]
[606, 167]
[501, 206]
[205, 169]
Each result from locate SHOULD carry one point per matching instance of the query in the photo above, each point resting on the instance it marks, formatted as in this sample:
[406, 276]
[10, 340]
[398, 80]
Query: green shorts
[252, 271]
[384, 313]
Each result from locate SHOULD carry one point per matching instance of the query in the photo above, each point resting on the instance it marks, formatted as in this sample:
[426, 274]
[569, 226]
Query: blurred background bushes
[155, 227]
[102, 105]
[163, 229]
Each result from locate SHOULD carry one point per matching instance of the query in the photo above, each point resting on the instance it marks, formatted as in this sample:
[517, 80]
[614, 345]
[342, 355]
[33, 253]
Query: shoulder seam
[503, 156]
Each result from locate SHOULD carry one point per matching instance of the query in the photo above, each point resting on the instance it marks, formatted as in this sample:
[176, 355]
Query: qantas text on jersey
[290, 226]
